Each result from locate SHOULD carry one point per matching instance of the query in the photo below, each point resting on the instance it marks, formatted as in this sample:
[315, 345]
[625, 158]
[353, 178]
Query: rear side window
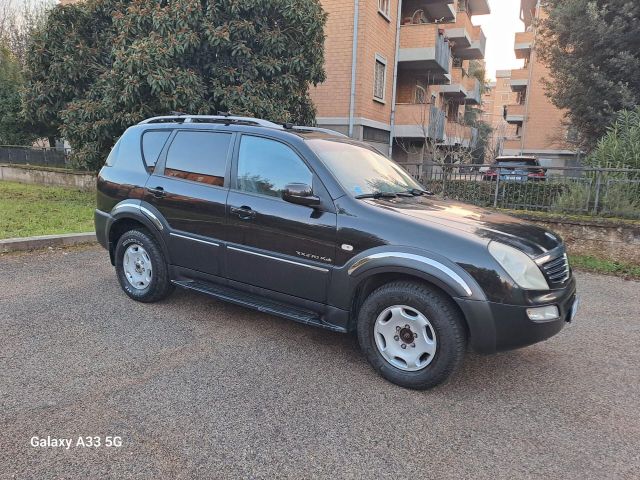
[266, 166]
[113, 155]
[152, 143]
[199, 157]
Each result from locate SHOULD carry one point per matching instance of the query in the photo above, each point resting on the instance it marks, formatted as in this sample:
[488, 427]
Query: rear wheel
[141, 267]
[411, 334]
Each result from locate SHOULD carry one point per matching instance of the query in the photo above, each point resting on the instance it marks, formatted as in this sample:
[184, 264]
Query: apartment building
[495, 101]
[398, 73]
[539, 124]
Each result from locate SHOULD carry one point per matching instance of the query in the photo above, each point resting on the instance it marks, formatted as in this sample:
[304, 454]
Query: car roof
[514, 158]
[223, 121]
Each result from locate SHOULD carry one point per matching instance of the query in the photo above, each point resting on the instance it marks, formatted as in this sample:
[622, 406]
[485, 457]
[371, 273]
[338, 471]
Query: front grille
[557, 270]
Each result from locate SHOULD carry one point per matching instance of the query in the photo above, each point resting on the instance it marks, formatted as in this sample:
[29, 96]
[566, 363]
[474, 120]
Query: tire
[442, 338]
[150, 284]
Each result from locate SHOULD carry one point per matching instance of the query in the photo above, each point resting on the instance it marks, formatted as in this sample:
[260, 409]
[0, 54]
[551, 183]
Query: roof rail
[185, 118]
[224, 117]
[318, 129]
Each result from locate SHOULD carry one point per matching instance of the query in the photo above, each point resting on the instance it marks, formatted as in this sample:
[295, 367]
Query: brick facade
[540, 128]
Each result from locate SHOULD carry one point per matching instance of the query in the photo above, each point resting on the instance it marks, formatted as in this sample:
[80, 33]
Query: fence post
[597, 199]
[495, 194]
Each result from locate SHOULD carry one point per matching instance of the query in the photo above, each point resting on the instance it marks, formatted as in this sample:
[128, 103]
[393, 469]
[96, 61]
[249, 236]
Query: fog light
[543, 314]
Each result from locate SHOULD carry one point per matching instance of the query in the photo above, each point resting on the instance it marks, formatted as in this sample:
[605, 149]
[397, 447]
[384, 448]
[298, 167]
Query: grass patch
[562, 217]
[27, 210]
[606, 267]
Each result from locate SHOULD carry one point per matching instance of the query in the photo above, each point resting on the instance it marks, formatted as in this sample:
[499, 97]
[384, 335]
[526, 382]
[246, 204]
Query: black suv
[318, 228]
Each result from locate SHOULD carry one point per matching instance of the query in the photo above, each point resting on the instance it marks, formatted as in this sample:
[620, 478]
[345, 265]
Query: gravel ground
[201, 389]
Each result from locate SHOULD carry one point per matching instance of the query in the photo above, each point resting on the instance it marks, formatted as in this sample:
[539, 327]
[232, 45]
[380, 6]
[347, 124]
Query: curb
[44, 241]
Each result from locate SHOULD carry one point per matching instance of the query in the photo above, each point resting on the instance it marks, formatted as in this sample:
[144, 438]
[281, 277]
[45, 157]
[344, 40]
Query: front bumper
[495, 326]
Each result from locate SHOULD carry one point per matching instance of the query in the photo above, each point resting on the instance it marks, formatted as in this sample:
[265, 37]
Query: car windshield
[362, 171]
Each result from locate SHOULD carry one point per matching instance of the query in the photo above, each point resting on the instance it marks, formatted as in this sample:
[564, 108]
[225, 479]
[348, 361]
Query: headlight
[519, 266]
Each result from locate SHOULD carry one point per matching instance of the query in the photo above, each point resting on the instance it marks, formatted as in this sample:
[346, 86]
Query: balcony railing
[523, 44]
[458, 134]
[419, 120]
[462, 87]
[516, 113]
[424, 45]
[519, 79]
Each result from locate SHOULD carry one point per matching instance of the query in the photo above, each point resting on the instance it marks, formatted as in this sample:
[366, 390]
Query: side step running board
[256, 302]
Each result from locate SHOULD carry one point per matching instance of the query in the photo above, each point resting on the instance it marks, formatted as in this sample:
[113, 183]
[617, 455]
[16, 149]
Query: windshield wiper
[377, 195]
[418, 192]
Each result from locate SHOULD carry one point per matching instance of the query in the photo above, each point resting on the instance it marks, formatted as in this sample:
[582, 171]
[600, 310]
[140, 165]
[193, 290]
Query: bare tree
[18, 19]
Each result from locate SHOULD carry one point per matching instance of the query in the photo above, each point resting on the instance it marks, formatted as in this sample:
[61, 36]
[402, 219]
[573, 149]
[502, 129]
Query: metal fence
[21, 155]
[612, 192]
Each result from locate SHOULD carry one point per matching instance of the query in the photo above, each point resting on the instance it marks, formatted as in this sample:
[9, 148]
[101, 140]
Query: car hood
[529, 238]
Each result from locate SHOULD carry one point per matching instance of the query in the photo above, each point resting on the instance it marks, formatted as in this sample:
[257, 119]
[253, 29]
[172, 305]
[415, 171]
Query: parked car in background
[318, 228]
[516, 169]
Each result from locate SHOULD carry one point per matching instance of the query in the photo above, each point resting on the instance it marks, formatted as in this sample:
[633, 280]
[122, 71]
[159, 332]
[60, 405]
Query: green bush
[575, 198]
[620, 147]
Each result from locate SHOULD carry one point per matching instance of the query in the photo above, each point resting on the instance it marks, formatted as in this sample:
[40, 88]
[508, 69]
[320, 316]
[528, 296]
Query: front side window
[266, 166]
[198, 157]
[360, 170]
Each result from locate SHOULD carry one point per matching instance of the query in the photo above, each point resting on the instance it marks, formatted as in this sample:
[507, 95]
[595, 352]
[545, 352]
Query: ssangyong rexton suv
[317, 228]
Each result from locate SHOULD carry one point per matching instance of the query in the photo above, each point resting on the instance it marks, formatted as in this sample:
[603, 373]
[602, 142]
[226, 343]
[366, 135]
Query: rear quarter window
[152, 144]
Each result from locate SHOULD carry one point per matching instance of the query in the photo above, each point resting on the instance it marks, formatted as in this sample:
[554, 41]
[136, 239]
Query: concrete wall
[616, 242]
[13, 173]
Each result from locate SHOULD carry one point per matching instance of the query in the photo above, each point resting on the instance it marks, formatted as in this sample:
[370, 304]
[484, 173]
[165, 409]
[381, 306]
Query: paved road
[201, 389]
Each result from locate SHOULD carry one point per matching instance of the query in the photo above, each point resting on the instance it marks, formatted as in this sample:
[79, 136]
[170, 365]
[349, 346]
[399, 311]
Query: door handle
[244, 212]
[157, 192]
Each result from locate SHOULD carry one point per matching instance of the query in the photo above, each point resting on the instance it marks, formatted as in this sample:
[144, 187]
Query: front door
[189, 187]
[275, 244]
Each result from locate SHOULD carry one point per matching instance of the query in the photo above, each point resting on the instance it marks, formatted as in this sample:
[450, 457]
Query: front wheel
[411, 334]
[141, 267]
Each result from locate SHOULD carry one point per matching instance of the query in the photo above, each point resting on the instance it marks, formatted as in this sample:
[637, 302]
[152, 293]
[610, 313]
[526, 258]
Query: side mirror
[300, 194]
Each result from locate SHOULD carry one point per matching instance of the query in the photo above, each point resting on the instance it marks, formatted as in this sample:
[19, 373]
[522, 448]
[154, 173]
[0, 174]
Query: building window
[379, 78]
[371, 134]
[383, 8]
[421, 94]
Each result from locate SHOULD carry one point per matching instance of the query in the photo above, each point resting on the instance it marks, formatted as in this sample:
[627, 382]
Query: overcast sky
[499, 27]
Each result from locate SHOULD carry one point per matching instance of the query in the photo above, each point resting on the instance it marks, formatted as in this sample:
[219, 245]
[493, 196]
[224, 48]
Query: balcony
[523, 44]
[479, 7]
[459, 33]
[458, 134]
[424, 46]
[477, 48]
[463, 87]
[512, 145]
[519, 79]
[413, 11]
[516, 113]
[419, 120]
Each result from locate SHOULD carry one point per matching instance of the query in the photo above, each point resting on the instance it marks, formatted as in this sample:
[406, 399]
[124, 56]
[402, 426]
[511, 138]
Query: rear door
[275, 244]
[189, 186]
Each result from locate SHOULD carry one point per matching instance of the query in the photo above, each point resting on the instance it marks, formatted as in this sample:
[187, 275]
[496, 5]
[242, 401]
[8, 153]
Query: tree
[12, 127]
[100, 66]
[592, 48]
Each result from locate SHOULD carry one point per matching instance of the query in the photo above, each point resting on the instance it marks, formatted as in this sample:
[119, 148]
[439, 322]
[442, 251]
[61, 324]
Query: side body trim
[416, 258]
[172, 234]
[313, 267]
